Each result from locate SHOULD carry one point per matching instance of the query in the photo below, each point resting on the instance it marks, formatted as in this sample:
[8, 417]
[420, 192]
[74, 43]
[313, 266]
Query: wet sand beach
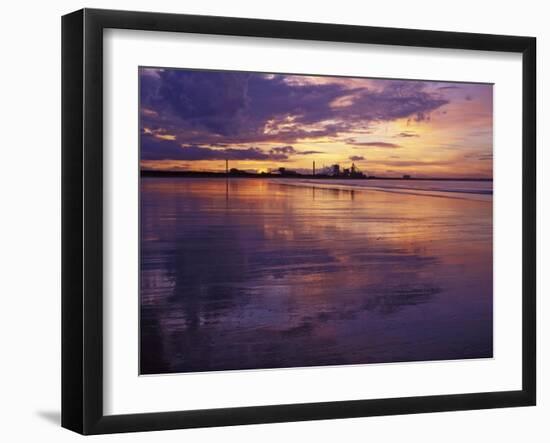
[252, 273]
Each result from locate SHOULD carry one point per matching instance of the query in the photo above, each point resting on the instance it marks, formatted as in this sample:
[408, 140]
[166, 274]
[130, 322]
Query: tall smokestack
[226, 167]
[314, 168]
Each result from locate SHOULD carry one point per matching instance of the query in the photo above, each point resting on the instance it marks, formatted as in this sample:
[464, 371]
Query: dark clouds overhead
[201, 110]
[157, 149]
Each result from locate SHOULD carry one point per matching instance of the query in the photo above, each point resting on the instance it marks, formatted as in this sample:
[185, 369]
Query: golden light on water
[261, 273]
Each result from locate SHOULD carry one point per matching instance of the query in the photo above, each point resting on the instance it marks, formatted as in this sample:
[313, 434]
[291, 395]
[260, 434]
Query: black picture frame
[82, 220]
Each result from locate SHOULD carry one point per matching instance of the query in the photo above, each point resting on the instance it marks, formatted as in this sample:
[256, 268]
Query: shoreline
[472, 195]
[455, 189]
[198, 174]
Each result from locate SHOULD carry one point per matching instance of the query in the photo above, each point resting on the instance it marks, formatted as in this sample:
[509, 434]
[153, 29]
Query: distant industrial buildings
[334, 171]
[351, 172]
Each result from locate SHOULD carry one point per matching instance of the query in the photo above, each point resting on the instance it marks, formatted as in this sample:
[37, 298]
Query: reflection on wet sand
[241, 274]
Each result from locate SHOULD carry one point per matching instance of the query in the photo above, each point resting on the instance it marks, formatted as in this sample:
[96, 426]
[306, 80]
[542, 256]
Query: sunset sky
[194, 120]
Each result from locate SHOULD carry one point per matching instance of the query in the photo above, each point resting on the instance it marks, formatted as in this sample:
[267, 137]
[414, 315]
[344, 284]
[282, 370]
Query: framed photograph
[269, 221]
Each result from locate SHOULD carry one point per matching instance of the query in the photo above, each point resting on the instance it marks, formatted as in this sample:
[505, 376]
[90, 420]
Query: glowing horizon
[195, 120]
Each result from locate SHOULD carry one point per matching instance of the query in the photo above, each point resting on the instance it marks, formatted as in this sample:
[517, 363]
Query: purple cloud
[283, 150]
[155, 149]
[374, 144]
[446, 88]
[309, 152]
[407, 134]
[224, 109]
